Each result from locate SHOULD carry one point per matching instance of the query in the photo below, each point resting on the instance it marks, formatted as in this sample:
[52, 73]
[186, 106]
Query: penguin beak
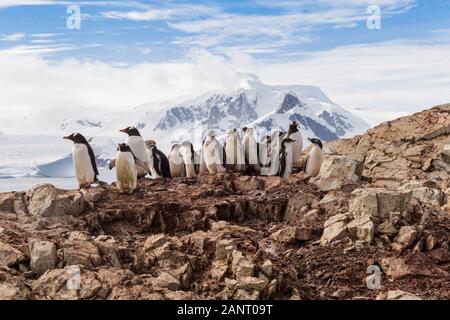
[68, 137]
[124, 130]
[310, 140]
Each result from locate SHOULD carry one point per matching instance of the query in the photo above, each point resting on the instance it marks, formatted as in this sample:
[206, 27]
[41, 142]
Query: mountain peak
[249, 81]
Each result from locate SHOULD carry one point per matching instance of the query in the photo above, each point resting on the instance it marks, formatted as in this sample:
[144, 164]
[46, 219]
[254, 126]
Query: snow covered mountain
[253, 104]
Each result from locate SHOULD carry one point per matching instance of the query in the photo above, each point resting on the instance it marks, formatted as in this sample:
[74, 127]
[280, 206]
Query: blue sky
[141, 31]
[398, 69]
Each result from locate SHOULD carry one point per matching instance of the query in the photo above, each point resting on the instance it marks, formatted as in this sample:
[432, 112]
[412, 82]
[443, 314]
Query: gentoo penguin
[126, 165]
[315, 158]
[251, 150]
[159, 164]
[177, 167]
[190, 159]
[265, 150]
[286, 158]
[137, 145]
[84, 164]
[213, 154]
[234, 151]
[295, 134]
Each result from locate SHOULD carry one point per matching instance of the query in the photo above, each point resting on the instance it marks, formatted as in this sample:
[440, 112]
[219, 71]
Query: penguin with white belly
[251, 150]
[295, 134]
[137, 145]
[190, 159]
[213, 155]
[126, 165]
[286, 159]
[234, 151]
[84, 164]
[177, 166]
[314, 159]
[159, 164]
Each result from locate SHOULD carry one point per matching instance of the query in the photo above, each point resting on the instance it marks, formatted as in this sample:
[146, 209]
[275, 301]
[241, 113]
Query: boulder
[76, 252]
[429, 196]
[10, 256]
[247, 183]
[224, 249]
[267, 268]
[13, 202]
[378, 203]
[362, 228]
[405, 238]
[291, 235]
[43, 256]
[335, 229]
[48, 201]
[108, 249]
[240, 265]
[251, 283]
[155, 241]
[387, 228]
[296, 204]
[166, 281]
[401, 295]
[336, 172]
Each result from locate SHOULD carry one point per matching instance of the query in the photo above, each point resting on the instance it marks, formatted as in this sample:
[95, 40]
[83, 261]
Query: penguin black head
[123, 147]
[131, 131]
[316, 142]
[76, 138]
[293, 127]
[244, 129]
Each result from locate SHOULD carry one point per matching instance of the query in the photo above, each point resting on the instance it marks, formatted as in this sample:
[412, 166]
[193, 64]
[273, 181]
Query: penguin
[202, 169]
[190, 159]
[84, 163]
[126, 165]
[265, 150]
[295, 134]
[159, 164]
[251, 150]
[234, 151]
[213, 154]
[274, 167]
[286, 159]
[314, 159]
[177, 166]
[137, 145]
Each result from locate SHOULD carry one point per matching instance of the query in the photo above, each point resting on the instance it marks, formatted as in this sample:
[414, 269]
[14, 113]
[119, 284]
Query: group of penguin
[273, 155]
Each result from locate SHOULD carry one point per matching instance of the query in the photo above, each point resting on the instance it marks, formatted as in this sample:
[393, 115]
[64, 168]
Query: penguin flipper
[282, 164]
[305, 163]
[142, 164]
[112, 164]
[156, 162]
[92, 157]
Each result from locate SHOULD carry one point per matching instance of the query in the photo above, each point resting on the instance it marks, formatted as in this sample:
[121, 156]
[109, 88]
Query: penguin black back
[78, 138]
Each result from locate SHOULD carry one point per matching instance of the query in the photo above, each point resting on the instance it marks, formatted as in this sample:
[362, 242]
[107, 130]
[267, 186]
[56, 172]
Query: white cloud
[38, 49]
[12, 37]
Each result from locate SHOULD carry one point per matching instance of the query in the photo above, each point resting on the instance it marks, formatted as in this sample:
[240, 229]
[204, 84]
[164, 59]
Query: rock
[273, 182]
[335, 229]
[398, 268]
[245, 295]
[387, 228]
[219, 269]
[291, 235]
[430, 196]
[10, 256]
[43, 256]
[362, 229]
[445, 153]
[54, 285]
[76, 252]
[251, 283]
[166, 281]
[9, 291]
[224, 249]
[79, 235]
[155, 241]
[247, 183]
[401, 295]
[405, 238]
[240, 265]
[13, 202]
[294, 210]
[377, 203]
[94, 194]
[108, 249]
[336, 172]
[47, 201]
[267, 268]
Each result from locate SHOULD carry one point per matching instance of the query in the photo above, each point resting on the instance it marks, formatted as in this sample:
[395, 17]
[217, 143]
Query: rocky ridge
[379, 203]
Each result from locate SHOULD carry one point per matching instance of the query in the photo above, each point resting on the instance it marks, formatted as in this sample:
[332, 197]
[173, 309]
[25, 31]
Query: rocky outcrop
[231, 236]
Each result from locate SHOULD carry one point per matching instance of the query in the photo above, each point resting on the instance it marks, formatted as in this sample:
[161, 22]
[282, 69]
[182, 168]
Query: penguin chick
[251, 150]
[314, 159]
[190, 159]
[234, 151]
[286, 158]
[159, 164]
[213, 154]
[177, 165]
[126, 165]
[84, 164]
[137, 145]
